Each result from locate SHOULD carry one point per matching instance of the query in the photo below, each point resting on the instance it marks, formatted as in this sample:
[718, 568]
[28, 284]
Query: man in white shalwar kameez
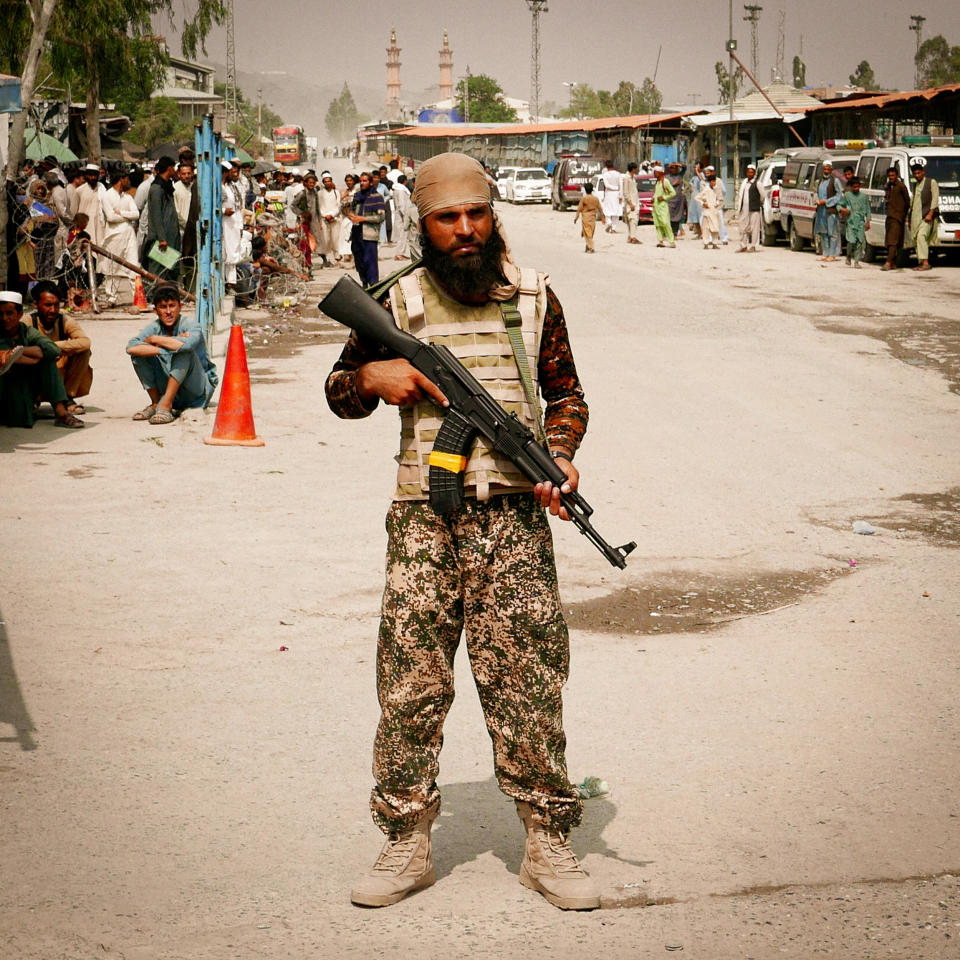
[329, 237]
[402, 205]
[120, 237]
[232, 204]
[612, 196]
[89, 202]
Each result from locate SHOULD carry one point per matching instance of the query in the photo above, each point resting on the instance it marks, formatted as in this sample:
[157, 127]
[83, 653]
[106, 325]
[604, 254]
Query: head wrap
[449, 180]
[657, 167]
[8, 296]
[709, 169]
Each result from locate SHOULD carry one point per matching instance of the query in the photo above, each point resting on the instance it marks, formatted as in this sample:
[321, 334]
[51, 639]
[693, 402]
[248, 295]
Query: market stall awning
[40, 145]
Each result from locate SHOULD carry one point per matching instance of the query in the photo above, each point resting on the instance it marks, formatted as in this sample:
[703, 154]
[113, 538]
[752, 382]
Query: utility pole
[917, 27]
[536, 7]
[231, 98]
[731, 46]
[753, 18]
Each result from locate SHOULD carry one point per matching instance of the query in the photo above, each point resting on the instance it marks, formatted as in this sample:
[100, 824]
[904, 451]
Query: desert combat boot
[550, 867]
[404, 865]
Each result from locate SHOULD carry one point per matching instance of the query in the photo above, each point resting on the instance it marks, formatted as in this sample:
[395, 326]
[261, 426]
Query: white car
[529, 185]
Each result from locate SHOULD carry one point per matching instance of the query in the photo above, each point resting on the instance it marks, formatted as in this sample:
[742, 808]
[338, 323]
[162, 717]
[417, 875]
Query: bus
[289, 145]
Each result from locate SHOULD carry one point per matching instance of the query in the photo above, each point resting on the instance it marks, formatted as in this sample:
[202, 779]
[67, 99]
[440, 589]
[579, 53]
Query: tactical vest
[478, 338]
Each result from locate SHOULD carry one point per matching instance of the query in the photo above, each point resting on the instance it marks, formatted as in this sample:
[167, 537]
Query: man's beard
[466, 278]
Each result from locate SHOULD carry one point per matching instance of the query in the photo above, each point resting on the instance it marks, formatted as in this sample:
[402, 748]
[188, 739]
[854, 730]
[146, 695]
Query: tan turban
[449, 180]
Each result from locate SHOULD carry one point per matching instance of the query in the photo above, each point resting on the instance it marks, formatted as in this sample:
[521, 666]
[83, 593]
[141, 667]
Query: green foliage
[799, 73]
[628, 99]
[343, 117]
[863, 76]
[158, 121]
[486, 100]
[15, 29]
[723, 81]
[937, 62]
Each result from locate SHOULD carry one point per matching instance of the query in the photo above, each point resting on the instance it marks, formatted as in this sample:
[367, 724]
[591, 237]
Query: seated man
[34, 371]
[66, 333]
[170, 358]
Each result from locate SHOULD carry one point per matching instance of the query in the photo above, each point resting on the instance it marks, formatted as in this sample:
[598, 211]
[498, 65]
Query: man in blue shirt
[170, 358]
[827, 223]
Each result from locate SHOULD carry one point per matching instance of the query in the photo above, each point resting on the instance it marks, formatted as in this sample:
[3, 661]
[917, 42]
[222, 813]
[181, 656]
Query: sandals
[146, 413]
[162, 416]
[69, 421]
[74, 407]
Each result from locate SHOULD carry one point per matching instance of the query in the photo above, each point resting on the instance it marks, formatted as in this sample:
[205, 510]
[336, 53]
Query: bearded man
[487, 567]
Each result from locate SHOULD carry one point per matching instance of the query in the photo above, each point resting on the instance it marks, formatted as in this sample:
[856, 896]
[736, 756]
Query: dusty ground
[186, 662]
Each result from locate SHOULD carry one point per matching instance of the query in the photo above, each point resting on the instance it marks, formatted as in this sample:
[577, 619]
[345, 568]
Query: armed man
[487, 567]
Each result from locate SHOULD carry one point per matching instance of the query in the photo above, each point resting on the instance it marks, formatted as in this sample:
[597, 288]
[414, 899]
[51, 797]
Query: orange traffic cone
[139, 296]
[234, 424]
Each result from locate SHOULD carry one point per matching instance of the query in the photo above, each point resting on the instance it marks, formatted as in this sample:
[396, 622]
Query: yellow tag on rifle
[448, 461]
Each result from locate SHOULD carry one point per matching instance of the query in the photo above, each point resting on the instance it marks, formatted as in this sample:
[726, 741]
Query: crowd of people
[695, 208]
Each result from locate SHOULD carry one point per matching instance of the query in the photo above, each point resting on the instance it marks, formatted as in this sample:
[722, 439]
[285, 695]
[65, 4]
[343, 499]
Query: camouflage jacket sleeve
[566, 415]
[341, 385]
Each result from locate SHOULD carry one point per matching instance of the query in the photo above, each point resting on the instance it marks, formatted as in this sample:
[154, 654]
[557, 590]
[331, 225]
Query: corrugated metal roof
[787, 99]
[742, 116]
[557, 126]
[884, 100]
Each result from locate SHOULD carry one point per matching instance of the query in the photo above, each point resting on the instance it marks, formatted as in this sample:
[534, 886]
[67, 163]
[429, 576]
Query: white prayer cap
[751, 166]
[917, 162]
[657, 167]
[9, 296]
[325, 174]
[226, 164]
[827, 162]
[92, 166]
[709, 169]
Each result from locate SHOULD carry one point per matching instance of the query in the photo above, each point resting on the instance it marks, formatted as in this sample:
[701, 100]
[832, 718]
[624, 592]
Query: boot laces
[396, 852]
[561, 856]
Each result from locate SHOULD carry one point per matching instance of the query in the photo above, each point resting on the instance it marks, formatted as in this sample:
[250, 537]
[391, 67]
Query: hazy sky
[596, 43]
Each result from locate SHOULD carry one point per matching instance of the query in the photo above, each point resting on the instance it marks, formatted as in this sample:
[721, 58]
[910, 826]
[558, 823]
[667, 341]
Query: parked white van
[798, 195]
[943, 165]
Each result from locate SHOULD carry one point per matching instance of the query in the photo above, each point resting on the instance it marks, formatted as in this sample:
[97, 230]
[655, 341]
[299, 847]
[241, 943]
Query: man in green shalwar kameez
[663, 193]
[854, 207]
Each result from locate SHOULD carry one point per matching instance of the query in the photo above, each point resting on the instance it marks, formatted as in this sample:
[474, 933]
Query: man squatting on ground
[28, 364]
[488, 566]
[170, 358]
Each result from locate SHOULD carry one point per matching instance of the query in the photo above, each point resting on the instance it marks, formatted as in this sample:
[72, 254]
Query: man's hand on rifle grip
[548, 496]
[396, 382]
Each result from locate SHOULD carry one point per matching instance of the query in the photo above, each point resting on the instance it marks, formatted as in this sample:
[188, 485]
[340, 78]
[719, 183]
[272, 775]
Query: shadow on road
[13, 711]
[476, 818]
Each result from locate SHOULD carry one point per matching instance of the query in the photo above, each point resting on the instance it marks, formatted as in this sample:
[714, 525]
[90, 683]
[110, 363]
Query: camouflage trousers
[488, 568]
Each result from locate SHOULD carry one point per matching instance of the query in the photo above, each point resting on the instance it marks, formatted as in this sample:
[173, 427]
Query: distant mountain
[304, 102]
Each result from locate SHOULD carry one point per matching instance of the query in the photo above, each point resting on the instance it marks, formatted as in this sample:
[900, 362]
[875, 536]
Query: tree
[40, 15]
[485, 98]
[628, 99]
[723, 81]
[799, 73]
[343, 117]
[937, 62]
[863, 76]
[108, 47]
[158, 121]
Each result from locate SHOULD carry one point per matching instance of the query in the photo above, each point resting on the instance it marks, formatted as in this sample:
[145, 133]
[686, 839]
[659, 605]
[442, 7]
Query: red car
[645, 187]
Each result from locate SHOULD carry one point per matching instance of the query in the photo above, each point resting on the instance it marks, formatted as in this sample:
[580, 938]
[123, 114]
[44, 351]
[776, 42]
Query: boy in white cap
[711, 209]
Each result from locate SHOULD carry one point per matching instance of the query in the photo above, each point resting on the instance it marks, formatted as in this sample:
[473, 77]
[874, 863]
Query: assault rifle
[472, 411]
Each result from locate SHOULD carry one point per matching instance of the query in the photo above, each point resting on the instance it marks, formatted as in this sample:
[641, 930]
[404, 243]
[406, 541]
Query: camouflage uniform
[487, 567]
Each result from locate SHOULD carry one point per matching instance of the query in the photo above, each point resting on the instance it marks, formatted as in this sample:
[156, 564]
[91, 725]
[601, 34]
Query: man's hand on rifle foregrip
[396, 382]
[548, 496]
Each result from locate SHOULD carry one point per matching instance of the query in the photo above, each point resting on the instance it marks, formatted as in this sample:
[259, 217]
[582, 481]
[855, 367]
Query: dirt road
[187, 664]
